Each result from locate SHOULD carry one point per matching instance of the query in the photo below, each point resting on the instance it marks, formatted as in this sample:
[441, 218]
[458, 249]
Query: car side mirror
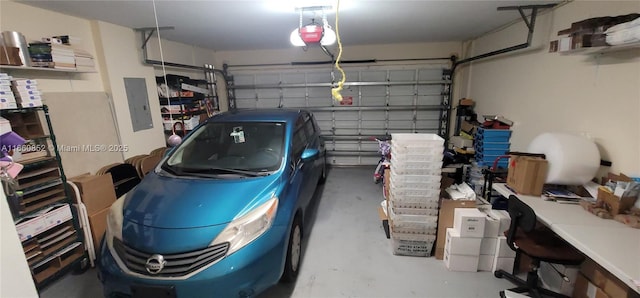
[310, 154]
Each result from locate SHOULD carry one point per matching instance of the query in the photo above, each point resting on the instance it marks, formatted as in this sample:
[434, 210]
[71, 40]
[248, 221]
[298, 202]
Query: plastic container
[416, 245]
[412, 143]
[493, 145]
[401, 179]
[409, 195]
[427, 156]
[493, 133]
[426, 209]
[413, 224]
[415, 165]
[427, 171]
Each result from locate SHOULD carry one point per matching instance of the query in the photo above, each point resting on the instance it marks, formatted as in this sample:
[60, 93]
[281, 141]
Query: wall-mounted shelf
[44, 69]
[602, 50]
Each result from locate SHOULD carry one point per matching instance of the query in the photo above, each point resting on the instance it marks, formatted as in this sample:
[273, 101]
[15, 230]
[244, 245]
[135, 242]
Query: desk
[611, 244]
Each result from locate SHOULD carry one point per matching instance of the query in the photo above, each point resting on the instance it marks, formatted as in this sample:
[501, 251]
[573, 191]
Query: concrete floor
[346, 254]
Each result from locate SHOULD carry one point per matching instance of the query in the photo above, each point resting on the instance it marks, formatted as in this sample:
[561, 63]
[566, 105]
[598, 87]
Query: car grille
[177, 264]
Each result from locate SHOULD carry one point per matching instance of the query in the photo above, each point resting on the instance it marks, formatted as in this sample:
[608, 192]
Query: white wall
[15, 278]
[598, 96]
[121, 58]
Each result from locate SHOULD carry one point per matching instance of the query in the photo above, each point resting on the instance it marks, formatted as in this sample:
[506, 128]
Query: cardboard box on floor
[445, 220]
[527, 174]
[98, 222]
[604, 280]
[97, 191]
[585, 289]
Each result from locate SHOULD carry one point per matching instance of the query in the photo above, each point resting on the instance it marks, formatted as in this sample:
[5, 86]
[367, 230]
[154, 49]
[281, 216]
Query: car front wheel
[294, 252]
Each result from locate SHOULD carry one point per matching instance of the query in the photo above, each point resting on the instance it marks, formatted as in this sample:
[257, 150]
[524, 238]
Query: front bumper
[245, 273]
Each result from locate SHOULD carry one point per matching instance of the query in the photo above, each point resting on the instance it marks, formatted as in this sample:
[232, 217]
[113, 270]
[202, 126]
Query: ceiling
[254, 25]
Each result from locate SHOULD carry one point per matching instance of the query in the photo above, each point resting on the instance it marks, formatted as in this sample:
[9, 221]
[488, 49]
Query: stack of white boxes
[26, 92]
[414, 190]
[462, 246]
[7, 99]
[495, 247]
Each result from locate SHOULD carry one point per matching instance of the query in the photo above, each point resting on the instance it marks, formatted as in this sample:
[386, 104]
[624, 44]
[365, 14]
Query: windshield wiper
[224, 170]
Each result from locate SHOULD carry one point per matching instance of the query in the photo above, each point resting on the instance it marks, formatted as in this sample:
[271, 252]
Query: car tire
[323, 175]
[294, 252]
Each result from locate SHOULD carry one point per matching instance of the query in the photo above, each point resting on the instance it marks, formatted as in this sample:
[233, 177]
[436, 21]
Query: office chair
[540, 244]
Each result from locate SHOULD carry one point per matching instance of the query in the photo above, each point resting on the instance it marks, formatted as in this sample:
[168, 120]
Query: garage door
[377, 101]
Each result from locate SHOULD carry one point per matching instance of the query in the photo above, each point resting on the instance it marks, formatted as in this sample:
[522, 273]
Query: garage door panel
[267, 79]
[429, 100]
[246, 104]
[373, 101]
[293, 78]
[294, 92]
[401, 100]
[402, 75]
[401, 90]
[348, 116]
[429, 90]
[319, 92]
[373, 76]
[268, 103]
[427, 74]
[373, 90]
[295, 102]
[347, 131]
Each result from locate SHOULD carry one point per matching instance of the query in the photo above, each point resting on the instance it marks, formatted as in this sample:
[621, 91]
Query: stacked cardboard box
[494, 251]
[26, 92]
[7, 99]
[462, 247]
[97, 193]
[414, 190]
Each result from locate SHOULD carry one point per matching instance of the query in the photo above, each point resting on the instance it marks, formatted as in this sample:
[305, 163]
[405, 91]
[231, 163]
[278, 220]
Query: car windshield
[238, 148]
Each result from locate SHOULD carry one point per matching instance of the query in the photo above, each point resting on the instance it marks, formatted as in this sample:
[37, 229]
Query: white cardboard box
[28, 92]
[505, 264]
[502, 248]
[57, 215]
[4, 93]
[7, 98]
[5, 126]
[31, 104]
[491, 226]
[5, 88]
[460, 262]
[8, 105]
[485, 262]
[469, 222]
[457, 245]
[505, 220]
[188, 124]
[42, 221]
[22, 82]
[28, 98]
[488, 246]
[5, 82]
[21, 88]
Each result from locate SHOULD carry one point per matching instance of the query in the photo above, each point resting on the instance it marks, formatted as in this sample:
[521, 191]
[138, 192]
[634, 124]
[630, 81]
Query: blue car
[222, 214]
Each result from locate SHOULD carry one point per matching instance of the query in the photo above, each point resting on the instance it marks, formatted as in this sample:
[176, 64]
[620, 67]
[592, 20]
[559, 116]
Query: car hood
[183, 202]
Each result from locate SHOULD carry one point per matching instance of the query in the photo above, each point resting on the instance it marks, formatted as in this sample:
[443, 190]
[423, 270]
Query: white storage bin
[411, 143]
[427, 184]
[427, 209]
[428, 171]
[413, 224]
[402, 178]
[428, 154]
[415, 165]
[417, 245]
[411, 195]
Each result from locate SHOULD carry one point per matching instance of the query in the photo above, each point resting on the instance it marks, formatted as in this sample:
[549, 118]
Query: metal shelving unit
[39, 198]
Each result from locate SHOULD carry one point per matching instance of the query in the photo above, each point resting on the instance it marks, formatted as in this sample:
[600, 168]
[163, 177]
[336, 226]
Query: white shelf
[43, 69]
[604, 49]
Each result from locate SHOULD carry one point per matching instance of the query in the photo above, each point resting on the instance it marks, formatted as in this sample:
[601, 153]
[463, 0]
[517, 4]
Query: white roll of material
[573, 160]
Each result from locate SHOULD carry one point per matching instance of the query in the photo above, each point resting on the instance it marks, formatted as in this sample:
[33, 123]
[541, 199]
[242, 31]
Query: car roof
[258, 115]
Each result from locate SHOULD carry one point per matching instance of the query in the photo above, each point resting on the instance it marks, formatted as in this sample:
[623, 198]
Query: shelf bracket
[150, 31]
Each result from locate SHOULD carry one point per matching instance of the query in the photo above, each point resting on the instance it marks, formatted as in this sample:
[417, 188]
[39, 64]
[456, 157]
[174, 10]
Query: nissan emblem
[155, 264]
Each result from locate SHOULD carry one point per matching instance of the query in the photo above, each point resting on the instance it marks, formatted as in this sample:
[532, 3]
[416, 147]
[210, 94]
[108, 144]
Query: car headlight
[241, 231]
[114, 221]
